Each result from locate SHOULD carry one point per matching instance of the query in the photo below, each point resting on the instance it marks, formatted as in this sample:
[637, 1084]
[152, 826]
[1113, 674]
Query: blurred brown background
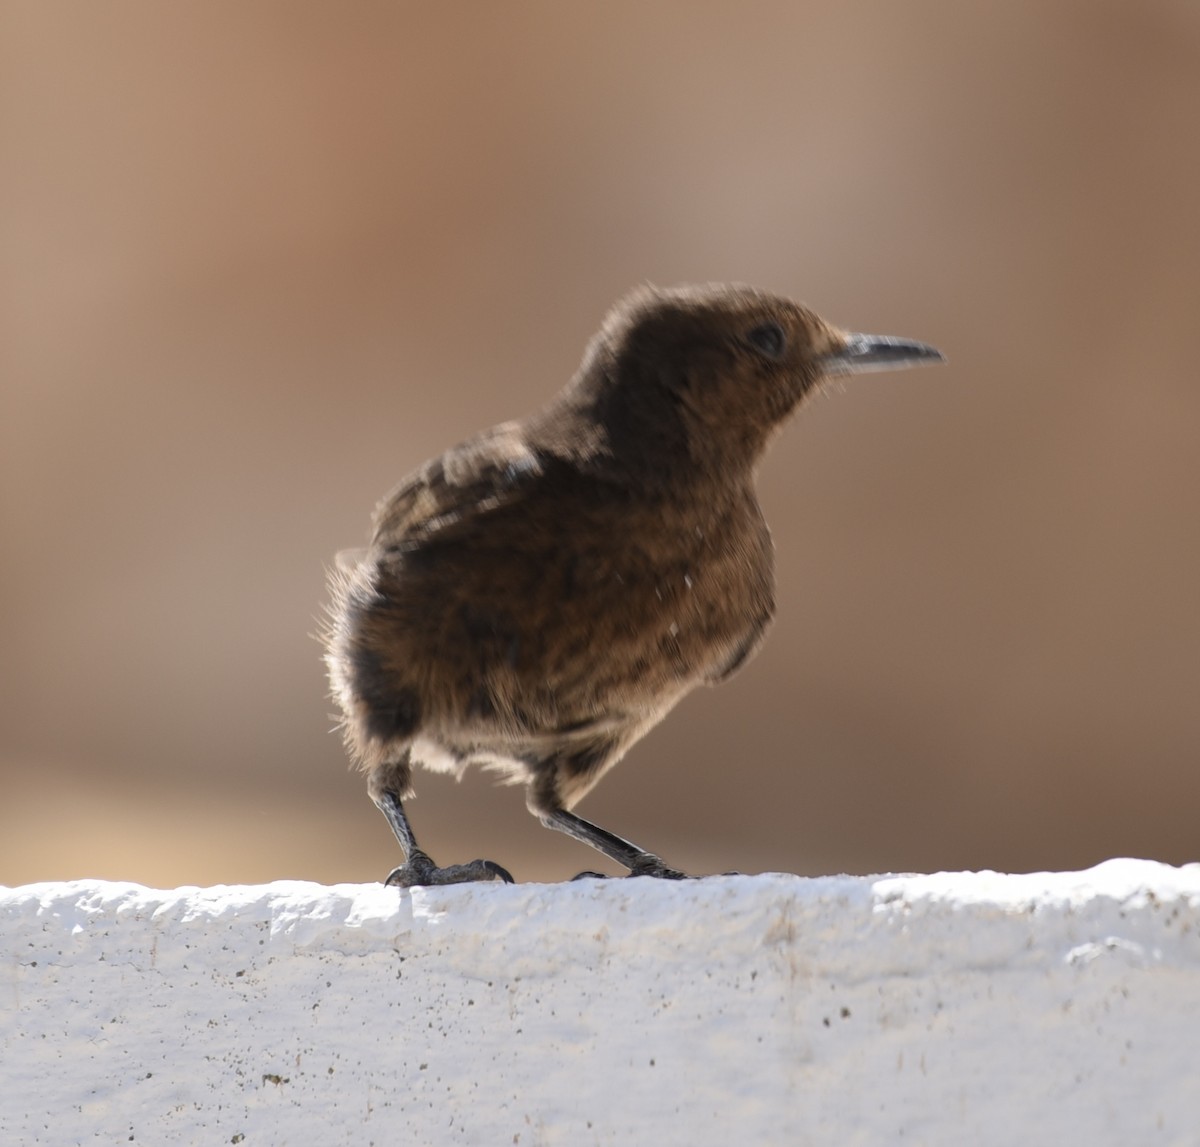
[259, 260]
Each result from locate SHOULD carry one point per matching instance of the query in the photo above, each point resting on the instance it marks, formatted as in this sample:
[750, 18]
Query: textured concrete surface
[946, 1009]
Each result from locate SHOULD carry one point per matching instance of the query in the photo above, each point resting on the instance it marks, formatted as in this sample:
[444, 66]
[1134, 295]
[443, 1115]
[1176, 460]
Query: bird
[539, 597]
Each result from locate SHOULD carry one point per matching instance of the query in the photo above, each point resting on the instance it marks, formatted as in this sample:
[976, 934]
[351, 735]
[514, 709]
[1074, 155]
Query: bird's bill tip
[861, 353]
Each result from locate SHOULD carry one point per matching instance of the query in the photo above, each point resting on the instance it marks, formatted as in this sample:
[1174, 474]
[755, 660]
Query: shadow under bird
[539, 597]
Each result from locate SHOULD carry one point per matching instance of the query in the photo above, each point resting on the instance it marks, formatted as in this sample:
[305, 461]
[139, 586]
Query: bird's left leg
[637, 860]
[418, 869]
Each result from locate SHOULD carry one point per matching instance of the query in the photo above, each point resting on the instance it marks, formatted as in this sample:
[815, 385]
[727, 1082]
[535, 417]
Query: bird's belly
[525, 639]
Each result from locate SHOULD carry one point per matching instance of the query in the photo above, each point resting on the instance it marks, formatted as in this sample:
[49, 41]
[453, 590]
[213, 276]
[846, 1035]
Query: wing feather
[485, 472]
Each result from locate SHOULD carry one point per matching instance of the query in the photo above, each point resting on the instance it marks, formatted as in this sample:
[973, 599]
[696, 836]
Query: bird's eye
[768, 339]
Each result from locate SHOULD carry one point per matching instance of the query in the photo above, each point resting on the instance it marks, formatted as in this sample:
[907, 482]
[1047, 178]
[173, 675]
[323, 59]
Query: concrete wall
[948, 1009]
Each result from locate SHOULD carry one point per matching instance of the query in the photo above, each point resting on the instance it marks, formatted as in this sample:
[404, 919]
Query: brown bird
[539, 597]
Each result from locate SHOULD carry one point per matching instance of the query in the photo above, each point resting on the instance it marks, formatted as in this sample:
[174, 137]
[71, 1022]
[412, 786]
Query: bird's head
[715, 369]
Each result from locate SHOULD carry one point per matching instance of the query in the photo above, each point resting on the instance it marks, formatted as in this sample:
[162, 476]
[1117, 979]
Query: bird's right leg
[418, 869]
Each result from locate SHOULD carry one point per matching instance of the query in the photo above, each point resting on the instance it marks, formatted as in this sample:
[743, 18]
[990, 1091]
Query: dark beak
[864, 353]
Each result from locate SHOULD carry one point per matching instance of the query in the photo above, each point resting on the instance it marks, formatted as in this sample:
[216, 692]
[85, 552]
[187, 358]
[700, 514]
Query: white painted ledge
[951, 1009]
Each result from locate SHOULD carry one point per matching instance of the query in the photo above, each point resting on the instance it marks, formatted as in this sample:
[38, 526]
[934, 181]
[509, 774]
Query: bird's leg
[418, 869]
[637, 860]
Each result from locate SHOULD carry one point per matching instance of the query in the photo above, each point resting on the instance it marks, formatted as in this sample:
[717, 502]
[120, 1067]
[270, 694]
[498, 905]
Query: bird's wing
[482, 474]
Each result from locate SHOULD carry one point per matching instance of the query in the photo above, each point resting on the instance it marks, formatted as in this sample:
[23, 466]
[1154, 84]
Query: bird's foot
[650, 865]
[419, 872]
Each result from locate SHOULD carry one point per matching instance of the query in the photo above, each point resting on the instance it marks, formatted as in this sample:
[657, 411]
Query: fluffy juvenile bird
[538, 598]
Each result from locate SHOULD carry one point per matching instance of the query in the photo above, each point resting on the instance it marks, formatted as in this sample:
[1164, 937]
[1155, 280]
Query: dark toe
[405, 876]
[653, 866]
[497, 872]
[423, 873]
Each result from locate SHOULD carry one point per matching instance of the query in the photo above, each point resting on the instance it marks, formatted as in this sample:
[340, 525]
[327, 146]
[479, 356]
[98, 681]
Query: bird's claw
[421, 872]
[651, 865]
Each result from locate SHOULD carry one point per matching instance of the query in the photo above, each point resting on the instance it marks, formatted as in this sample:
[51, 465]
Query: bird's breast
[667, 601]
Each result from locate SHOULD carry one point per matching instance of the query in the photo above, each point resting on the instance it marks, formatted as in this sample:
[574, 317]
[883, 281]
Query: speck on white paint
[947, 1009]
